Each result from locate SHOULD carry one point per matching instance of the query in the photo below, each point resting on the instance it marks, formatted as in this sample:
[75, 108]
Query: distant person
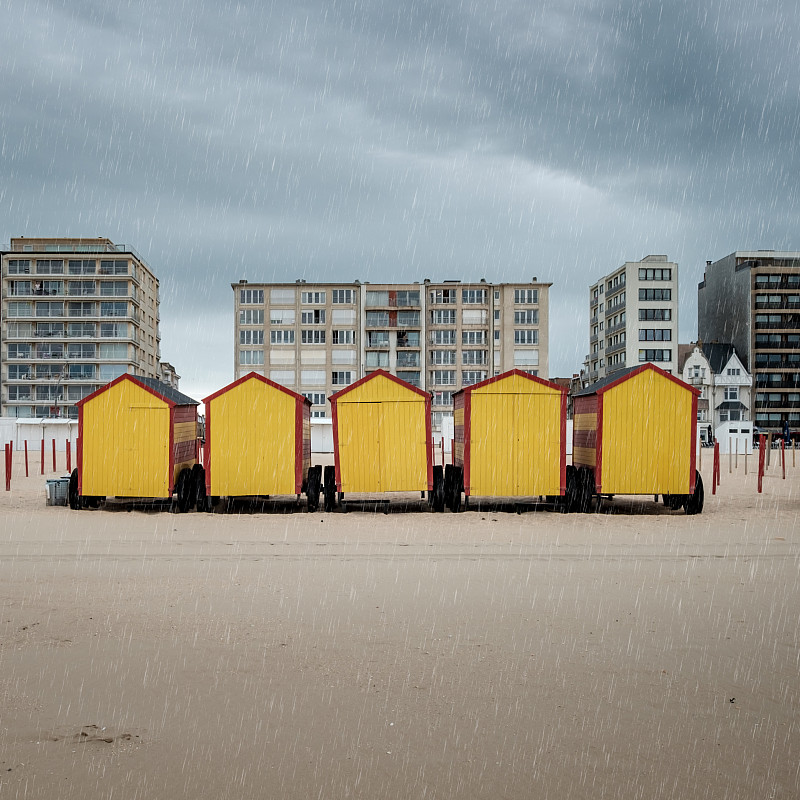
[787, 434]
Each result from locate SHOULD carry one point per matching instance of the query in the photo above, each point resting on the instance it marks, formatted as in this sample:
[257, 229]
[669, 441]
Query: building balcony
[616, 348]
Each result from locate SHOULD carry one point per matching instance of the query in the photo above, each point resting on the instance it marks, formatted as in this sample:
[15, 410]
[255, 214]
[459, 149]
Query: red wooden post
[715, 469]
[69, 457]
[762, 448]
[26, 458]
[7, 451]
[452, 451]
[442, 450]
[54, 455]
[41, 459]
[783, 457]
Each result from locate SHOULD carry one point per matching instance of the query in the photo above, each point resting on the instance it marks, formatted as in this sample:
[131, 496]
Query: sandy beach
[635, 654]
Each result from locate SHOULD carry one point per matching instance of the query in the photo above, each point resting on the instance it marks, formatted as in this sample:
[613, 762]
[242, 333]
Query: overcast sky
[390, 140]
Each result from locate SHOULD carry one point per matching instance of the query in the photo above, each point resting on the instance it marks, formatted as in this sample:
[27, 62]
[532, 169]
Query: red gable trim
[378, 373]
[496, 378]
[256, 376]
[654, 368]
[125, 377]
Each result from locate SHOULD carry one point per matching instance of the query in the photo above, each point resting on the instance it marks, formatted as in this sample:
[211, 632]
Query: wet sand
[635, 654]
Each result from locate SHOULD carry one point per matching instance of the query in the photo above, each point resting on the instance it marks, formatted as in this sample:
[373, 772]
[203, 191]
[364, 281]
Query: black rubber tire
[437, 495]
[453, 486]
[694, 503]
[183, 490]
[314, 487]
[676, 501]
[73, 498]
[571, 500]
[329, 488]
[199, 496]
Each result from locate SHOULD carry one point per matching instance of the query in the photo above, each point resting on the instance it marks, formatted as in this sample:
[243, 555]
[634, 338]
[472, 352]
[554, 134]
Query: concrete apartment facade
[633, 318]
[316, 338]
[751, 298]
[76, 313]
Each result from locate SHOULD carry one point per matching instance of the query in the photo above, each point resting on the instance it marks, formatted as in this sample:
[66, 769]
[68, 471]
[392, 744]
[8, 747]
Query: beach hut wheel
[329, 488]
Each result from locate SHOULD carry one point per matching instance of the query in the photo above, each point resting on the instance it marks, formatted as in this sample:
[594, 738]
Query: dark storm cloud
[397, 140]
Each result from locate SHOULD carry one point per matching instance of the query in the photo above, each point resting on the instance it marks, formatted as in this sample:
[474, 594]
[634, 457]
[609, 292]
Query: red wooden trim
[378, 372]
[336, 457]
[467, 441]
[298, 446]
[639, 370]
[598, 469]
[79, 449]
[496, 378]
[171, 474]
[126, 377]
[207, 450]
[255, 376]
[429, 442]
[693, 457]
[564, 442]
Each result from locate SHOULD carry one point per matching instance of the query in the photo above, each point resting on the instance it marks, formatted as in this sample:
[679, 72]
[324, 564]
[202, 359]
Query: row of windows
[74, 288]
[55, 266]
[393, 298]
[383, 319]
[655, 335]
[774, 281]
[451, 357]
[655, 355]
[21, 330]
[381, 359]
[655, 294]
[447, 377]
[400, 297]
[655, 314]
[655, 274]
[778, 339]
[55, 308]
[287, 297]
[281, 336]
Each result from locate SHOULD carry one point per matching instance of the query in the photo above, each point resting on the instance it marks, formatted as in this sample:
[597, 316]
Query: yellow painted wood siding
[515, 440]
[184, 431]
[125, 440]
[646, 436]
[382, 438]
[252, 441]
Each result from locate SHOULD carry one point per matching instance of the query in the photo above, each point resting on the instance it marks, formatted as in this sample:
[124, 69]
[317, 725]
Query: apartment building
[751, 298]
[633, 318]
[76, 313]
[316, 338]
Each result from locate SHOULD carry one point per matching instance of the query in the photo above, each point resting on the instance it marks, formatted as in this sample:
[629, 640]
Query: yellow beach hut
[635, 432]
[258, 441]
[510, 439]
[382, 439]
[137, 437]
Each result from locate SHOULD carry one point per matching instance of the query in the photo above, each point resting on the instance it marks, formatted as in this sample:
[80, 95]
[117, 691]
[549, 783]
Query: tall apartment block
[633, 318]
[317, 338]
[76, 313]
[751, 299]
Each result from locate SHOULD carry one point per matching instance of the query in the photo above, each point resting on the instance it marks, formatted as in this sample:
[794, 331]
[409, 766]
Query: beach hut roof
[520, 373]
[171, 396]
[378, 373]
[255, 376]
[604, 384]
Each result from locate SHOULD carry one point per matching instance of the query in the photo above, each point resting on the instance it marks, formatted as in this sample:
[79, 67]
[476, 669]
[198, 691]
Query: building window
[443, 398]
[50, 309]
[411, 378]
[312, 377]
[109, 330]
[109, 372]
[312, 298]
[655, 335]
[19, 266]
[735, 371]
[19, 351]
[477, 357]
[315, 317]
[658, 274]
[443, 337]
[279, 336]
[408, 338]
[377, 358]
[318, 415]
[526, 297]
[251, 357]
[526, 337]
[82, 266]
[408, 358]
[115, 350]
[343, 337]
[408, 319]
[281, 297]
[407, 298]
[251, 337]
[473, 296]
[285, 377]
[529, 317]
[473, 316]
[443, 296]
[655, 355]
[469, 377]
[473, 337]
[655, 314]
[443, 317]
[251, 317]
[342, 296]
[655, 294]
[311, 337]
[378, 339]
[316, 398]
[526, 358]
[377, 299]
[20, 308]
[377, 319]
[277, 316]
[113, 289]
[344, 378]
[443, 357]
[81, 350]
[443, 377]
[81, 288]
[114, 267]
[251, 296]
[731, 393]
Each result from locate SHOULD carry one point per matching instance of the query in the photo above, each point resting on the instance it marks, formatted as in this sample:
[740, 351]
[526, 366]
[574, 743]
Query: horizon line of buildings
[78, 312]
